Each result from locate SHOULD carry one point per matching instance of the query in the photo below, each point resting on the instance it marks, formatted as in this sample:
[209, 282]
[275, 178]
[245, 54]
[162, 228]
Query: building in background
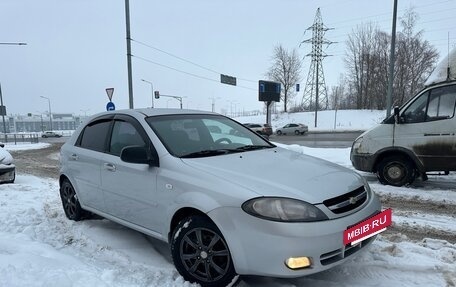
[41, 122]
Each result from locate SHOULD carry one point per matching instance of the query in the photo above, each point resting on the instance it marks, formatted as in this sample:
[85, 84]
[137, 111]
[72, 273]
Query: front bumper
[7, 173]
[260, 247]
[363, 162]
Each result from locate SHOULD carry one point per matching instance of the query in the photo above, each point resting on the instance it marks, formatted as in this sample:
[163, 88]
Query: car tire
[279, 133]
[44, 136]
[297, 132]
[70, 202]
[396, 171]
[200, 253]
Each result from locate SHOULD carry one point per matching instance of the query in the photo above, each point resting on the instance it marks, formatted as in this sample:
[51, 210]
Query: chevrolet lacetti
[226, 200]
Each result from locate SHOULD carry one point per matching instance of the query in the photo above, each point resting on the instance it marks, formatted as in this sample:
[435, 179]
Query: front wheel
[297, 132]
[396, 171]
[200, 253]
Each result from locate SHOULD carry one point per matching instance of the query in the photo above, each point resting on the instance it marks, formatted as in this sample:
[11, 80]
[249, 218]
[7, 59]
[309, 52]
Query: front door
[428, 128]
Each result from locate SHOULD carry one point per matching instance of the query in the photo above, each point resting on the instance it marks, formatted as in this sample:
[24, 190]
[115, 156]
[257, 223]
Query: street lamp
[152, 87]
[213, 102]
[85, 112]
[50, 113]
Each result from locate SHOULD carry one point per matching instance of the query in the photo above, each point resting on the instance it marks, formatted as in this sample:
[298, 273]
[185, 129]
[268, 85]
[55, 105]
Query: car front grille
[341, 253]
[347, 202]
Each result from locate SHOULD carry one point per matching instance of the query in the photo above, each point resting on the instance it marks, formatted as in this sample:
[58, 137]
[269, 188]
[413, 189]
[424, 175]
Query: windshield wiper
[252, 147]
[209, 152]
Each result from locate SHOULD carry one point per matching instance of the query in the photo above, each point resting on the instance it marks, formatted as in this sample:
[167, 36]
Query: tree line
[364, 83]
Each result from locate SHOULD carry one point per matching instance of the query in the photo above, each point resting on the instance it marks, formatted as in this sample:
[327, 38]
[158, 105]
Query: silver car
[228, 203]
[297, 129]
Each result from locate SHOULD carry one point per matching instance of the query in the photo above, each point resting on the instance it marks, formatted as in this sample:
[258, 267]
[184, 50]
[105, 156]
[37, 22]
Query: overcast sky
[77, 49]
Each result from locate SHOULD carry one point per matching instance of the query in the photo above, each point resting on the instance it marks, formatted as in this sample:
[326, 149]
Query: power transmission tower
[315, 96]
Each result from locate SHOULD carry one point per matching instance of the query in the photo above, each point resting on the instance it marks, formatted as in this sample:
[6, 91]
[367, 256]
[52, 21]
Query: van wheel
[200, 253]
[396, 171]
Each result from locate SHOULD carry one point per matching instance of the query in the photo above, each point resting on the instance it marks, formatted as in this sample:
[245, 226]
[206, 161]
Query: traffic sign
[110, 106]
[229, 80]
[110, 91]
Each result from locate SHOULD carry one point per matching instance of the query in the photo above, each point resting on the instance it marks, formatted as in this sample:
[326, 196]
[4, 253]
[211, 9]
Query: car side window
[94, 136]
[124, 134]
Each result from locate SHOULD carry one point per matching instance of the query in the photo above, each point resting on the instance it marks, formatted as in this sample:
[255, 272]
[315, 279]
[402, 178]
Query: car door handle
[110, 166]
[74, 157]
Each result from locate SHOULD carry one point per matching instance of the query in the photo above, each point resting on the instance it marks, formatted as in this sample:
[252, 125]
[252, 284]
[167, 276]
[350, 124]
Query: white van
[419, 137]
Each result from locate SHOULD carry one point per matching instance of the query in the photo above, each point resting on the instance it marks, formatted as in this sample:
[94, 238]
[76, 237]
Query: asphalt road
[321, 140]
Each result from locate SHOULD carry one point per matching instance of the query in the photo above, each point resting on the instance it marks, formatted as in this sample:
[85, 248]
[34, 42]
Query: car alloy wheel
[70, 202]
[201, 254]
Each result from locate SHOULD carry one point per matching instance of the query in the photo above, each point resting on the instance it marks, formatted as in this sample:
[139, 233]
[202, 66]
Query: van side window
[436, 104]
[441, 103]
[416, 112]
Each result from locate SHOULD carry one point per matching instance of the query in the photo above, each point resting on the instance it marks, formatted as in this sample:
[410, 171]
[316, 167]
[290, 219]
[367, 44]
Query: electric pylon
[315, 96]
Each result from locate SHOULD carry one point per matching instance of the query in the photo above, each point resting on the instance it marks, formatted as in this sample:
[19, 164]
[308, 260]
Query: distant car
[50, 134]
[226, 203]
[7, 168]
[262, 129]
[297, 129]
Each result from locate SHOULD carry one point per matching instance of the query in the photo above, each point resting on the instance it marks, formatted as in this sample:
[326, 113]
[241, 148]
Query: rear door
[428, 128]
[84, 162]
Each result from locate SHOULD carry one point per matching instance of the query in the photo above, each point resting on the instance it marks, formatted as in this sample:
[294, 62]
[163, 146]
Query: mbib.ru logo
[368, 227]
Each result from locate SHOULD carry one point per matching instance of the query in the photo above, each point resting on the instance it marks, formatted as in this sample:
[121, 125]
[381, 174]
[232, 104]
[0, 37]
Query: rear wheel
[200, 253]
[279, 133]
[396, 171]
[297, 132]
[70, 202]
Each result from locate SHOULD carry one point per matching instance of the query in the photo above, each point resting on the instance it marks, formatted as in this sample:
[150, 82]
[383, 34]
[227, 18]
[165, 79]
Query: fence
[19, 138]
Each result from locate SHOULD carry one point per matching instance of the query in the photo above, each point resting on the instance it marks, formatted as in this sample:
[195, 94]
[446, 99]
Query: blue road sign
[110, 106]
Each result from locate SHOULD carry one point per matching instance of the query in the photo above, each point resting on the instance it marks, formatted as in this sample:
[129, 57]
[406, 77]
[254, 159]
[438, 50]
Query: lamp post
[152, 88]
[50, 112]
[85, 112]
[213, 102]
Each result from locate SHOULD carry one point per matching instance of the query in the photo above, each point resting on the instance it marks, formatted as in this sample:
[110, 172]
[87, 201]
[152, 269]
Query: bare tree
[416, 59]
[367, 60]
[285, 69]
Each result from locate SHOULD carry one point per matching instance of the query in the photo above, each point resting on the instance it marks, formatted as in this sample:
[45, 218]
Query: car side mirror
[396, 115]
[139, 155]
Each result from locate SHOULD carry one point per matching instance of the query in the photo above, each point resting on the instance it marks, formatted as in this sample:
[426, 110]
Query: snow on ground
[346, 120]
[40, 247]
[25, 146]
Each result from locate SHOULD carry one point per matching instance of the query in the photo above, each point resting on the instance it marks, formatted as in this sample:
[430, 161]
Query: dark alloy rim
[69, 200]
[204, 254]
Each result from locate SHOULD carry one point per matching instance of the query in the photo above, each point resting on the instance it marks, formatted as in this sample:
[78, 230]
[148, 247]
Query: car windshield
[200, 135]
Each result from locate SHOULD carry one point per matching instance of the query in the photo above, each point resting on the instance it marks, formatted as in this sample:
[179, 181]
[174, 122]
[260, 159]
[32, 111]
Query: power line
[185, 60]
[187, 73]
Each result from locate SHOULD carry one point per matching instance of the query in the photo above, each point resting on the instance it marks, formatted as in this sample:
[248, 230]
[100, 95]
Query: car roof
[154, 112]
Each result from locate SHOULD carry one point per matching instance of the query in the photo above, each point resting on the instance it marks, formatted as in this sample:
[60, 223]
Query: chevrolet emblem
[353, 200]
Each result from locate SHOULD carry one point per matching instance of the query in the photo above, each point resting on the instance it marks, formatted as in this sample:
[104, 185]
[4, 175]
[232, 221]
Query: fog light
[297, 262]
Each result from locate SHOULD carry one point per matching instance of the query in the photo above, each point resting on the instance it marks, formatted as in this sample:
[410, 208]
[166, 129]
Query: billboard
[268, 91]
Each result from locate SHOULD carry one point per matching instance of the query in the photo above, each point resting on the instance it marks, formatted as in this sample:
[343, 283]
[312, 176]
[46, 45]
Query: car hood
[282, 173]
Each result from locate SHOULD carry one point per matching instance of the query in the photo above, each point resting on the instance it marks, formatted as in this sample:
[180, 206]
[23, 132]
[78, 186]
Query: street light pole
[152, 88]
[50, 112]
[3, 115]
[130, 78]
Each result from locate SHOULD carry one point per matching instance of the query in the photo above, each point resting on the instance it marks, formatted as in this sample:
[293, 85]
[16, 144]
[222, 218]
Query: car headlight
[357, 143]
[283, 209]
